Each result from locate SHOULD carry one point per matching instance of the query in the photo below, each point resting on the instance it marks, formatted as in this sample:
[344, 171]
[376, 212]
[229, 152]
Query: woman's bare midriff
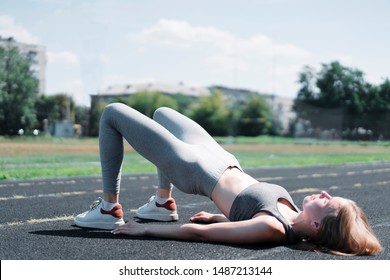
[232, 182]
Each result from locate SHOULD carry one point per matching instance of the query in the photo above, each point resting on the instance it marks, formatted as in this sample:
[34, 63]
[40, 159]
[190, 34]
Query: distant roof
[160, 87]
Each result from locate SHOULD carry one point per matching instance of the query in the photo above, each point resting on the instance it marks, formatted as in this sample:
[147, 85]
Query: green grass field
[28, 157]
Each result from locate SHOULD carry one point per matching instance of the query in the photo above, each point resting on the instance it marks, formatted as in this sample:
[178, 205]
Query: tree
[333, 98]
[212, 114]
[82, 115]
[18, 87]
[342, 87]
[147, 102]
[54, 108]
[183, 101]
[377, 110]
[96, 111]
[256, 118]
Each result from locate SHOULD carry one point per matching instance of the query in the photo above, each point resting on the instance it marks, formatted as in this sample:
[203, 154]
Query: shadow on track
[78, 232]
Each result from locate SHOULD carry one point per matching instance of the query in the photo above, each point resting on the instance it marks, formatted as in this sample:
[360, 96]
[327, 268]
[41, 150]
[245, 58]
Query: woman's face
[317, 206]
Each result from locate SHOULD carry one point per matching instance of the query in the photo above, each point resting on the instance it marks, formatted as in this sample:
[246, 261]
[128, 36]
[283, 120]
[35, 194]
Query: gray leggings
[183, 152]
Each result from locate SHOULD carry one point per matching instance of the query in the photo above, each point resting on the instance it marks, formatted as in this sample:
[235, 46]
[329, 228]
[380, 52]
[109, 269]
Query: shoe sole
[157, 217]
[99, 225]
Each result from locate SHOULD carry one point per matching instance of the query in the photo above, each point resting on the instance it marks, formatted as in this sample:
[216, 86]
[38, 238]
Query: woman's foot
[153, 210]
[99, 218]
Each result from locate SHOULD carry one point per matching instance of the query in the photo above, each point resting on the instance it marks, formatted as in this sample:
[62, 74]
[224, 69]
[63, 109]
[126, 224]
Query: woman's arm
[177, 231]
[256, 230]
[208, 218]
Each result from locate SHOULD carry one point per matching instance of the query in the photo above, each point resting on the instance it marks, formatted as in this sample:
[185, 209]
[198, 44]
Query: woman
[187, 157]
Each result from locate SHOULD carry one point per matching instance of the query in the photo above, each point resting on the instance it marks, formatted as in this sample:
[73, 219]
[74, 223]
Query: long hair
[348, 233]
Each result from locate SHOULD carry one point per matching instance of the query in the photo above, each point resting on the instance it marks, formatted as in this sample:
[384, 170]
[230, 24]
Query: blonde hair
[348, 233]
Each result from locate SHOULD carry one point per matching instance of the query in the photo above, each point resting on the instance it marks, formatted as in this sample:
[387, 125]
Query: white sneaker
[160, 212]
[97, 217]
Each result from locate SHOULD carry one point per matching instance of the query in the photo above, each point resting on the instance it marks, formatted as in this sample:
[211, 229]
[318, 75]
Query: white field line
[61, 194]
[305, 190]
[34, 183]
[38, 221]
[326, 175]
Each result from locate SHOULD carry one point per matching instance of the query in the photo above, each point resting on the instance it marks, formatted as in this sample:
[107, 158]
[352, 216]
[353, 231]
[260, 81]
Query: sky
[258, 45]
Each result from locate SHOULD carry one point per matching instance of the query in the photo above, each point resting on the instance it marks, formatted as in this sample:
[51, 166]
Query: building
[235, 95]
[35, 54]
[281, 107]
[62, 129]
[110, 93]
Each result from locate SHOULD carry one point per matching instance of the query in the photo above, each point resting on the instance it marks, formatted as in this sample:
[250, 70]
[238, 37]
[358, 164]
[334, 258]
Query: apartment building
[35, 54]
[281, 106]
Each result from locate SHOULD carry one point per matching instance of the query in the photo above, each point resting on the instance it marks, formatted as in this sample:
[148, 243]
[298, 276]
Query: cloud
[65, 57]
[10, 28]
[181, 34]
[255, 60]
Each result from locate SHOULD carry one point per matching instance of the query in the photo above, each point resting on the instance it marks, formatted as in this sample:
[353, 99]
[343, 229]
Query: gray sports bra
[262, 197]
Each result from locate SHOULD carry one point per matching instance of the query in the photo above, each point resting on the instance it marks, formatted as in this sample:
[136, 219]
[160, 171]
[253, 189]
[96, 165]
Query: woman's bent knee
[114, 107]
[160, 112]
[112, 110]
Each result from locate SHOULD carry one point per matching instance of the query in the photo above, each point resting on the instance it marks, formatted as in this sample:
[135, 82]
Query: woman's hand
[208, 218]
[131, 228]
